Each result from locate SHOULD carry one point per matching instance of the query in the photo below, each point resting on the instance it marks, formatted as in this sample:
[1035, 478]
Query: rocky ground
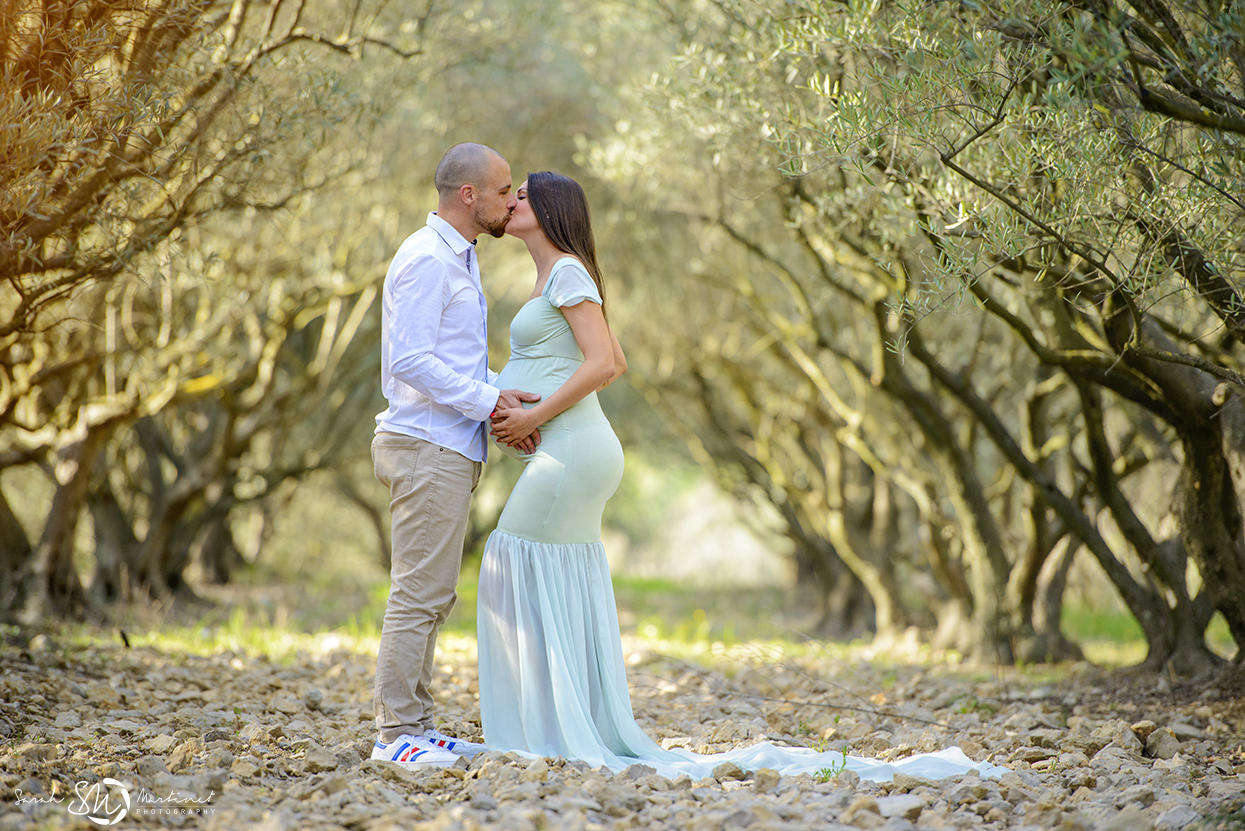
[231, 741]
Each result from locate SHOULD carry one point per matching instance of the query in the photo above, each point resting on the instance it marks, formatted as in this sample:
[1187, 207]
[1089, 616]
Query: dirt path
[230, 742]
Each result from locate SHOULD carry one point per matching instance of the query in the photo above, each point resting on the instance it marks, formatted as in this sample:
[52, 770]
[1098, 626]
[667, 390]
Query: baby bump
[544, 376]
[528, 376]
[565, 484]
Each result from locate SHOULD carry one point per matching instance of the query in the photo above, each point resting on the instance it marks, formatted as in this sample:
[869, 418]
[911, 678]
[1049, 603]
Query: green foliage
[885, 268]
[1036, 106]
[975, 705]
[827, 773]
[972, 260]
[149, 314]
[223, 348]
[1101, 624]
[643, 504]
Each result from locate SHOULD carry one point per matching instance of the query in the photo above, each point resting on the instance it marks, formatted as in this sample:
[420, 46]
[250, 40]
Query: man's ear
[467, 193]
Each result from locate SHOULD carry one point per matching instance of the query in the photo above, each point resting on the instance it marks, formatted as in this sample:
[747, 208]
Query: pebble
[319, 760]
[905, 805]
[766, 780]
[162, 744]
[1131, 818]
[150, 766]
[68, 720]
[284, 746]
[729, 770]
[38, 752]
[1162, 744]
[1176, 818]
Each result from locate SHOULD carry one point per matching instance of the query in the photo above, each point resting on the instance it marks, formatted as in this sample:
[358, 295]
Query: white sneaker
[459, 747]
[413, 751]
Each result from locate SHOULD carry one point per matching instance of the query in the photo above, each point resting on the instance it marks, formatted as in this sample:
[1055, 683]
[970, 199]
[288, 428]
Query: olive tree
[176, 336]
[1008, 221]
[1074, 168]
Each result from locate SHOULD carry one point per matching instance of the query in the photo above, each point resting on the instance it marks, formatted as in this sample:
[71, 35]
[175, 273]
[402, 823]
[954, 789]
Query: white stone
[68, 720]
[1129, 819]
[1176, 818]
[907, 806]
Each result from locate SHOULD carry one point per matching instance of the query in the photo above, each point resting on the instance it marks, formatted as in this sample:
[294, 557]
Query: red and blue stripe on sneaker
[406, 753]
[448, 744]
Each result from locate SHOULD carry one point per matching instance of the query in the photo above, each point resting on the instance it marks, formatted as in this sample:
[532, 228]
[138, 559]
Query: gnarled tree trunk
[116, 547]
[51, 583]
[15, 553]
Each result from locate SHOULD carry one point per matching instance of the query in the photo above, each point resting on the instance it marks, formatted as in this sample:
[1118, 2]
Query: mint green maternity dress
[552, 678]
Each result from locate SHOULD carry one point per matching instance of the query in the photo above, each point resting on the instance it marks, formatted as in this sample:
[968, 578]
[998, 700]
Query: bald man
[432, 441]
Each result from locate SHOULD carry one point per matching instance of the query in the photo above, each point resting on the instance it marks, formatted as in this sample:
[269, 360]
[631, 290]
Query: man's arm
[419, 295]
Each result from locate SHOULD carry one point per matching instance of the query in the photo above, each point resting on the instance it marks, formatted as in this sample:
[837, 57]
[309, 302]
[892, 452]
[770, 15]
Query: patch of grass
[1231, 821]
[1110, 654]
[1113, 638]
[242, 639]
[242, 634]
[827, 773]
[1082, 623]
[819, 744]
[975, 705]
[1108, 637]
[670, 610]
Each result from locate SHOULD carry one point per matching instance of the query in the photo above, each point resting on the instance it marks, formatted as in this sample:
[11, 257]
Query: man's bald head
[466, 163]
[474, 190]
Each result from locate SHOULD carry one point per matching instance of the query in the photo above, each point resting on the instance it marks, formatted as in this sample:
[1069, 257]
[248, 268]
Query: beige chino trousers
[430, 491]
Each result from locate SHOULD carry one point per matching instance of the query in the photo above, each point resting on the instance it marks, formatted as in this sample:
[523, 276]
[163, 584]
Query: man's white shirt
[434, 343]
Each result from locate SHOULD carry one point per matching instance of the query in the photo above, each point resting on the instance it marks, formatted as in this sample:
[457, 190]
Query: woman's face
[522, 221]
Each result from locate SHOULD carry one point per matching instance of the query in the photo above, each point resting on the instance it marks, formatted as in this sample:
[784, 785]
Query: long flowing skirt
[553, 681]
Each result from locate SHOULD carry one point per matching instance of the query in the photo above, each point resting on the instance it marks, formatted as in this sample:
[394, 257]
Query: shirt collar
[456, 241]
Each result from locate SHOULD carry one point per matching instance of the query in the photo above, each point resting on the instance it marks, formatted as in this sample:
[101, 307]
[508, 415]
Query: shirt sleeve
[420, 295]
[570, 283]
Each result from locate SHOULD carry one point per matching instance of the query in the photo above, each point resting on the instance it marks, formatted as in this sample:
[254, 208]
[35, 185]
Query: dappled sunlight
[935, 346]
[247, 717]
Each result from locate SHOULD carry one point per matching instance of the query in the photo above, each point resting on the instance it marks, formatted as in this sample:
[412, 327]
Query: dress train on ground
[553, 680]
[552, 677]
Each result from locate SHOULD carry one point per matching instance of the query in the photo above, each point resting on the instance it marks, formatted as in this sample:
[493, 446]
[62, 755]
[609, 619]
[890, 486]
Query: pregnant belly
[543, 377]
[532, 376]
[528, 375]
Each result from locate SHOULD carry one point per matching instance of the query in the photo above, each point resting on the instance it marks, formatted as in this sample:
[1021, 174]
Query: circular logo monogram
[103, 803]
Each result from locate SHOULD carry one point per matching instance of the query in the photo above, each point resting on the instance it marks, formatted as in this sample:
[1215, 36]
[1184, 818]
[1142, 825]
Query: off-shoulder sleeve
[570, 283]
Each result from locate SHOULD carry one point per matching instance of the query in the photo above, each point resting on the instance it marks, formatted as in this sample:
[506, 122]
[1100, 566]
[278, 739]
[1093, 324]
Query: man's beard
[496, 227]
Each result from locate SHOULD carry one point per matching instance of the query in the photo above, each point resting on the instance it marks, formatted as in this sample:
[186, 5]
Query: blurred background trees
[976, 270]
[947, 295]
[186, 296]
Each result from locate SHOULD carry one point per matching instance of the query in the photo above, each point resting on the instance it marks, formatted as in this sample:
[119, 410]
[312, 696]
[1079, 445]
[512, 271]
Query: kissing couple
[552, 678]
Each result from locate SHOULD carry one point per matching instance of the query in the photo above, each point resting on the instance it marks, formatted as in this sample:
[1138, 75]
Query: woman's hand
[513, 425]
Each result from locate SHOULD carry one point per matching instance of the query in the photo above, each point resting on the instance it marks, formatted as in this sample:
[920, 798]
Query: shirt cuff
[486, 403]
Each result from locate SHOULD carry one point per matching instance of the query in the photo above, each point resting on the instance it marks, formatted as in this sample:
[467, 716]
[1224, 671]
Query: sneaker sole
[418, 763]
[466, 754]
[421, 762]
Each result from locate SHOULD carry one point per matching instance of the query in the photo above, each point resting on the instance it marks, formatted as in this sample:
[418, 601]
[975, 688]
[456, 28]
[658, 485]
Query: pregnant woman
[552, 681]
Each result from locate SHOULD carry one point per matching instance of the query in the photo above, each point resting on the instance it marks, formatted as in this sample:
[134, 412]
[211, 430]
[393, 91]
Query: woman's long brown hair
[561, 210]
